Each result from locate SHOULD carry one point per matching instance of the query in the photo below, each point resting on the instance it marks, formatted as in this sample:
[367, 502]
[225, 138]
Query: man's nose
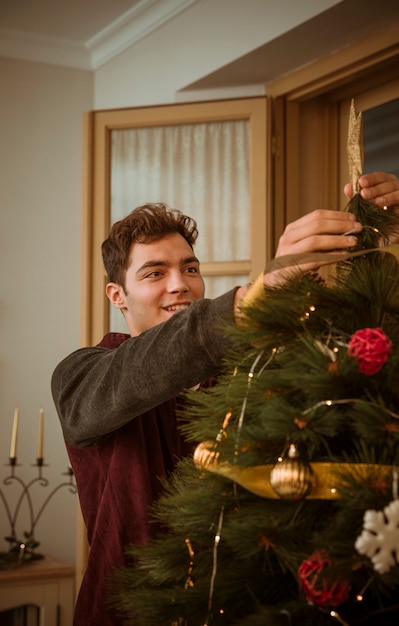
[177, 282]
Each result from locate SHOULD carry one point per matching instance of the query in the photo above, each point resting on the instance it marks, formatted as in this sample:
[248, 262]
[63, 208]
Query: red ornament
[319, 588]
[371, 347]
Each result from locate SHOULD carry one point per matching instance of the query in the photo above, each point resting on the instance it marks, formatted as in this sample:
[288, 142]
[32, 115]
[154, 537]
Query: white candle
[14, 435]
[40, 435]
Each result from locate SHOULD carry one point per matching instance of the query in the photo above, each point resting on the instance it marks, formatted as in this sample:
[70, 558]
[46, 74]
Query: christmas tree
[288, 512]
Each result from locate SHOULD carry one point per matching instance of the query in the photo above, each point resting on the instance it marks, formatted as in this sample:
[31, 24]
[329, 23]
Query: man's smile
[180, 306]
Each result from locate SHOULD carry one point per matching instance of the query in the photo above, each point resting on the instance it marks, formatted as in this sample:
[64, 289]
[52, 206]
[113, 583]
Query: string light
[244, 402]
[222, 433]
[216, 544]
[359, 597]
[189, 581]
[330, 403]
[339, 619]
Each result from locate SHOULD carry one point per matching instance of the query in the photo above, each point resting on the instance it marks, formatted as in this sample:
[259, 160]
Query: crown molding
[140, 21]
[44, 49]
[137, 23]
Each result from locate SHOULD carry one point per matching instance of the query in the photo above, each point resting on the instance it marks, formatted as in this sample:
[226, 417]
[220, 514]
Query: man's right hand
[319, 231]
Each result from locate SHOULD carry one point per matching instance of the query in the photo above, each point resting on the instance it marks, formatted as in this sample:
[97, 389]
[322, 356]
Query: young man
[117, 401]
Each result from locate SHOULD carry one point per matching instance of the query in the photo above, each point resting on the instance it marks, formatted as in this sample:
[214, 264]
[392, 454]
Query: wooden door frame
[308, 172]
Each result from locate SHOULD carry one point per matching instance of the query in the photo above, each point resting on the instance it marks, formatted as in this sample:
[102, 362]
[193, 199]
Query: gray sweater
[96, 391]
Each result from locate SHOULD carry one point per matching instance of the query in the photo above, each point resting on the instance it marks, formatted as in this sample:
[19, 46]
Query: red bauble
[319, 588]
[371, 347]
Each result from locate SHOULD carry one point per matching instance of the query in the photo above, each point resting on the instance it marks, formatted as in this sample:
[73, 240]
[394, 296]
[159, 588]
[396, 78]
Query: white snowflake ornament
[379, 539]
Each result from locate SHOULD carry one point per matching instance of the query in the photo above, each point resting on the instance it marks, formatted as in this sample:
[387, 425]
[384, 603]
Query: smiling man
[117, 401]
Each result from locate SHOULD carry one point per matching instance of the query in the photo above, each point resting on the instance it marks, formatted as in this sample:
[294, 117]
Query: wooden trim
[226, 268]
[189, 113]
[100, 226]
[260, 210]
[46, 568]
[292, 159]
[276, 173]
[82, 546]
[86, 224]
[378, 95]
[270, 182]
[95, 225]
[338, 67]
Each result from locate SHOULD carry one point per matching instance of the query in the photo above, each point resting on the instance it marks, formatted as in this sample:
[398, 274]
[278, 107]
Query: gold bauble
[205, 455]
[291, 477]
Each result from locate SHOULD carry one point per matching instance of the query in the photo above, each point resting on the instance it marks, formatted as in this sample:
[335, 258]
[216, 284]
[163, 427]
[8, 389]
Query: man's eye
[192, 270]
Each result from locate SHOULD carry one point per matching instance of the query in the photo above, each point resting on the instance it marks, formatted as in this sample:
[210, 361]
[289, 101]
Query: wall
[41, 110]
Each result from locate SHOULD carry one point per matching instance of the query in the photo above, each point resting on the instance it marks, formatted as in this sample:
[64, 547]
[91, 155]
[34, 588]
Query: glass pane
[216, 285]
[381, 138]
[201, 169]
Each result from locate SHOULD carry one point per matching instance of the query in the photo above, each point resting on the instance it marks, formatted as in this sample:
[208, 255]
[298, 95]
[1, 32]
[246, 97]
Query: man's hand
[319, 231]
[378, 187]
[332, 231]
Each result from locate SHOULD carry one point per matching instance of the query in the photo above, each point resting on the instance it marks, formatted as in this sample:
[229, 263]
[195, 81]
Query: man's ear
[116, 295]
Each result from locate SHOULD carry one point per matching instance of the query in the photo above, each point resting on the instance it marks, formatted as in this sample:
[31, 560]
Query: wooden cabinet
[48, 584]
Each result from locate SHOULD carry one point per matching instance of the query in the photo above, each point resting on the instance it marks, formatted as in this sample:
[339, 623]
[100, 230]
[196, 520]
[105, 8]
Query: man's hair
[145, 224]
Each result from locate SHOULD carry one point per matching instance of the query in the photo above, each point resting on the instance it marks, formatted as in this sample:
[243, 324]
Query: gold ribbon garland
[323, 258]
[326, 476]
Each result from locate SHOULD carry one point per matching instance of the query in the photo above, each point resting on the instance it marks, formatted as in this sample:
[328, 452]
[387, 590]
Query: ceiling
[79, 33]
[87, 33]
[75, 20]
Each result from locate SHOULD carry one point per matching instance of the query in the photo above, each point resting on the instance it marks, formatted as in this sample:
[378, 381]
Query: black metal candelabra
[23, 550]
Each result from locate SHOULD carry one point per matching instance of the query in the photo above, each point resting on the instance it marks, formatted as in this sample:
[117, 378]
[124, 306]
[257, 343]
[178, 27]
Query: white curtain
[201, 169]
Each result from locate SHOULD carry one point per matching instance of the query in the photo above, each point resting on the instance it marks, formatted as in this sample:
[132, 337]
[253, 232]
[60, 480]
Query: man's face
[163, 277]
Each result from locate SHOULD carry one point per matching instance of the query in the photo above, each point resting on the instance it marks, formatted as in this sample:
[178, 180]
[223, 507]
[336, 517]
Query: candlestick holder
[23, 550]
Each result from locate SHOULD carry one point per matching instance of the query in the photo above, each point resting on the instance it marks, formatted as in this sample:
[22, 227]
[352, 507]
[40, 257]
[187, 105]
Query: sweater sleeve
[97, 390]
